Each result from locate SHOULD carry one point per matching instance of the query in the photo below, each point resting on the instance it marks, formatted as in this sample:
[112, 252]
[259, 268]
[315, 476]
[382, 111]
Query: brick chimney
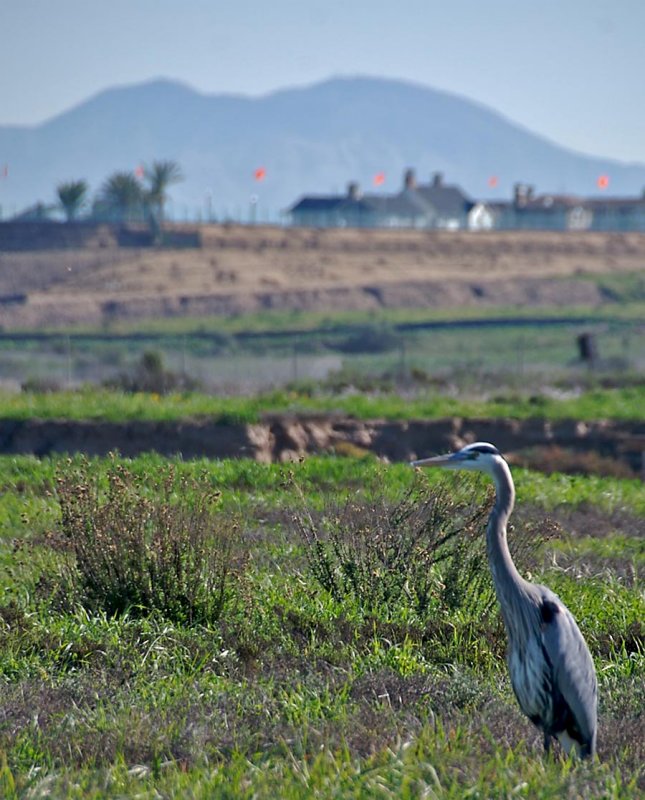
[437, 179]
[522, 193]
[353, 191]
[409, 179]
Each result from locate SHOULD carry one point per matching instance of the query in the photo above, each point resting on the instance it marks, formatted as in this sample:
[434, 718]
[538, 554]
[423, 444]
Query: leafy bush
[151, 375]
[37, 385]
[381, 553]
[132, 551]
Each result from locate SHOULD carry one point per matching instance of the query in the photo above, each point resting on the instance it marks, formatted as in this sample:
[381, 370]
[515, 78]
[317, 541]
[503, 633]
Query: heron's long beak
[448, 460]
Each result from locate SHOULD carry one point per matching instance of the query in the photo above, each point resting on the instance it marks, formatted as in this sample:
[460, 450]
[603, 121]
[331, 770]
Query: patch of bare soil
[241, 269]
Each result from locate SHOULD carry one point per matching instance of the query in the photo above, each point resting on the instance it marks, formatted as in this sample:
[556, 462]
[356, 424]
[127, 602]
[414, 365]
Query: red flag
[260, 174]
[379, 179]
[493, 181]
[603, 181]
[139, 171]
[5, 170]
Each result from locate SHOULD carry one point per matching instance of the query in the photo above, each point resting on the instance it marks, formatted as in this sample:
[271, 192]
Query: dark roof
[563, 202]
[599, 203]
[421, 201]
[343, 202]
[544, 203]
[449, 201]
[407, 203]
[317, 203]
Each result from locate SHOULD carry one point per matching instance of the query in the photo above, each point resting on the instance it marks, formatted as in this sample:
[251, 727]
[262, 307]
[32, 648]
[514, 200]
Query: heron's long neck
[509, 584]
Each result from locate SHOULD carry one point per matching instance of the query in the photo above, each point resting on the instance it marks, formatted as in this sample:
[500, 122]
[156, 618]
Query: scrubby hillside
[247, 269]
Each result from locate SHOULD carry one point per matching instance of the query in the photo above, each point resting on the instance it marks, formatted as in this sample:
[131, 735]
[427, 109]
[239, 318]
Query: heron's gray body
[551, 669]
[552, 674]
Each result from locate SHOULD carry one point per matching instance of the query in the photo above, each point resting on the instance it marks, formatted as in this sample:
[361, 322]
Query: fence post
[69, 361]
[520, 356]
[295, 363]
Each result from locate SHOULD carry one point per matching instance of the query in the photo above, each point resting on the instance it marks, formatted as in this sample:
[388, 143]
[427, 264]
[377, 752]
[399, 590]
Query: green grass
[293, 693]
[431, 766]
[113, 406]
[617, 546]
[623, 288]
[609, 494]
[628, 288]
[95, 404]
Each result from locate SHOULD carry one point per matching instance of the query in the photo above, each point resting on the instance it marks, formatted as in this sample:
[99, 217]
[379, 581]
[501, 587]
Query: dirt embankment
[239, 269]
[286, 438]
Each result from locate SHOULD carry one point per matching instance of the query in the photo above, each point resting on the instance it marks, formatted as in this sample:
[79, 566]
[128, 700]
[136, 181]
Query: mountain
[310, 140]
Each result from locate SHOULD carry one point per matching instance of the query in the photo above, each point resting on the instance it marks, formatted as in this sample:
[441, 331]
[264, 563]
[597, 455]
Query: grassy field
[326, 668]
[257, 352]
[620, 403]
[629, 306]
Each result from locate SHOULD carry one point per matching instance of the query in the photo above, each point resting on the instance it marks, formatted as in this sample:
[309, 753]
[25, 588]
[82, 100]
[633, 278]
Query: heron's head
[480, 456]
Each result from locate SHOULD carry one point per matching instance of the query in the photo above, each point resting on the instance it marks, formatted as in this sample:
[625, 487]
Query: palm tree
[122, 196]
[72, 196]
[159, 177]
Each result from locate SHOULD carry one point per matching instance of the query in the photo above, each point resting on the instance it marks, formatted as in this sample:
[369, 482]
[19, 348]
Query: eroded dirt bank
[285, 437]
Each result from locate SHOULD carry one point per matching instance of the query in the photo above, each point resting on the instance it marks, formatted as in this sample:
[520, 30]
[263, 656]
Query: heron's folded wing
[573, 668]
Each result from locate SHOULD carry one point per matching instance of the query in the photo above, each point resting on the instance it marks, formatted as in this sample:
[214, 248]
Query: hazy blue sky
[569, 69]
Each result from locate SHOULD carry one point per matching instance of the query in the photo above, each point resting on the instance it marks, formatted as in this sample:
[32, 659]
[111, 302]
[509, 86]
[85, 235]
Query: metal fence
[467, 353]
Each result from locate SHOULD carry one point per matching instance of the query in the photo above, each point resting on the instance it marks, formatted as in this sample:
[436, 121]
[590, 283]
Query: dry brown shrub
[140, 546]
[559, 459]
[380, 553]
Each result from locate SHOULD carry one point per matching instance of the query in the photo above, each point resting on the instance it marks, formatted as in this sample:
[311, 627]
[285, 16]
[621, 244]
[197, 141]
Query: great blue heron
[551, 669]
